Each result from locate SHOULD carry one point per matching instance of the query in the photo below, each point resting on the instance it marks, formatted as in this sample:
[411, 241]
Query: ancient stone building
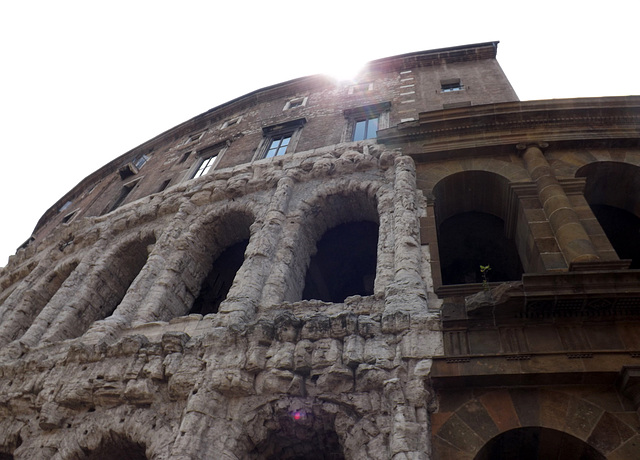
[296, 274]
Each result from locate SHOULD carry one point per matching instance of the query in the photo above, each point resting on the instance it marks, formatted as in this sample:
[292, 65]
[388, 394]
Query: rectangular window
[365, 129]
[278, 146]
[450, 85]
[205, 166]
[364, 122]
[280, 139]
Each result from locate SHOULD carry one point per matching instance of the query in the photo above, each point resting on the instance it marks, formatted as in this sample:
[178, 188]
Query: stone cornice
[492, 127]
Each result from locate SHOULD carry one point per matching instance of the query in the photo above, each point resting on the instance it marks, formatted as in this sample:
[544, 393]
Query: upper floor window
[364, 122]
[365, 129]
[450, 85]
[205, 166]
[294, 103]
[278, 146]
[140, 161]
[280, 139]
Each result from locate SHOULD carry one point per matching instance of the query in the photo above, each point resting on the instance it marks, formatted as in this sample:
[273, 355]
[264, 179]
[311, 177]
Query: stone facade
[326, 303]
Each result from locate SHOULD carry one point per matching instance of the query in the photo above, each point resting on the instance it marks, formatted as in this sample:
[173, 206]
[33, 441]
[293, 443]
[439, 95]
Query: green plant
[484, 269]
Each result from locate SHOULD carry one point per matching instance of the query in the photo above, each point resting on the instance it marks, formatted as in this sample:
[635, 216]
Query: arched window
[216, 285]
[470, 209]
[536, 443]
[218, 260]
[613, 192]
[341, 240]
[344, 264]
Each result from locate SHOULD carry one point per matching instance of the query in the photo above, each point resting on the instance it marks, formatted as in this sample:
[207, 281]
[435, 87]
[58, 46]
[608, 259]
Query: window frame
[213, 154]
[365, 113]
[287, 130]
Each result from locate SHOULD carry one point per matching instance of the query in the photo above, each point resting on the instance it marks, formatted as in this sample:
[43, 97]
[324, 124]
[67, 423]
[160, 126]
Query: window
[360, 88]
[205, 166]
[294, 103]
[450, 85]
[207, 160]
[140, 161]
[278, 146]
[279, 139]
[365, 129]
[124, 193]
[231, 122]
[364, 122]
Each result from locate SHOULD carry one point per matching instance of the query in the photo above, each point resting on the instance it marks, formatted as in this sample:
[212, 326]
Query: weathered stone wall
[135, 374]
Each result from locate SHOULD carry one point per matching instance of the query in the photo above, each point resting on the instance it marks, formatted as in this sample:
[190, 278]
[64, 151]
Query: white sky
[82, 82]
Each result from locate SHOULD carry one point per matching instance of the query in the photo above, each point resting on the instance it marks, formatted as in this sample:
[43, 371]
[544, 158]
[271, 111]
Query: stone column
[573, 240]
[407, 291]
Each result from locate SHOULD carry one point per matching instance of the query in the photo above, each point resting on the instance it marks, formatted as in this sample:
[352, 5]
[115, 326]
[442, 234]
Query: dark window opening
[536, 443]
[345, 263]
[184, 157]
[216, 285]
[6, 456]
[470, 239]
[164, 185]
[68, 217]
[623, 230]
[124, 193]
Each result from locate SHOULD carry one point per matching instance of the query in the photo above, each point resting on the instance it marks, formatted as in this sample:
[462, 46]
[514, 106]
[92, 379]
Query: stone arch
[590, 418]
[93, 291]
[475, 226]
[333, 205]
[612, 190]
[536, 443]
[294, 428]
[429, 176]
[28, 305]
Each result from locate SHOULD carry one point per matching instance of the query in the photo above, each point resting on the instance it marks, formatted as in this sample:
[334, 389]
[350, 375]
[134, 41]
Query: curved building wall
[165, 307]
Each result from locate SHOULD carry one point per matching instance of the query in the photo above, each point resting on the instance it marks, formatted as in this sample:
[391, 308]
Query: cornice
[472, 129]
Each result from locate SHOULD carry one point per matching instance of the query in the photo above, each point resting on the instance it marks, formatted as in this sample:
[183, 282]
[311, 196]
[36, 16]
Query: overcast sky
[83, 82]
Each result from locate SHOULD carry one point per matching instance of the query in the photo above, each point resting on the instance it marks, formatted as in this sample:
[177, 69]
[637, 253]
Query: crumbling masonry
[294, 274]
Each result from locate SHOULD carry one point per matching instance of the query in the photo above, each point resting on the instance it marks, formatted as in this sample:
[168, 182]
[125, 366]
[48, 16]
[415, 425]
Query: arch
[612, 190]
[537, 443]
[114, 446]
[596, 416]
[429, 175]
[217, 251]
[340, 212]
[30, 303]
[95, 291]
[474, 227]
[296, 428]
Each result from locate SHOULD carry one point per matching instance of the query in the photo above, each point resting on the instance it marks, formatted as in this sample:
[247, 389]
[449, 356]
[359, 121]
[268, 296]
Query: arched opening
[613, 192]
[471, 211]
[117, 448]
[129, 261]
[471, 239]
[216, 285]
[537, 443]
[300, 436]
[216, 259]
[344, 264]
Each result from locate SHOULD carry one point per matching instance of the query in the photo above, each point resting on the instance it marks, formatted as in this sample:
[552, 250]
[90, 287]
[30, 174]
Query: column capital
[522, 146]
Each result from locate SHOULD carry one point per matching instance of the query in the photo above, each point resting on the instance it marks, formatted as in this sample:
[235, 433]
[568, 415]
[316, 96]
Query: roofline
[486, 50]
